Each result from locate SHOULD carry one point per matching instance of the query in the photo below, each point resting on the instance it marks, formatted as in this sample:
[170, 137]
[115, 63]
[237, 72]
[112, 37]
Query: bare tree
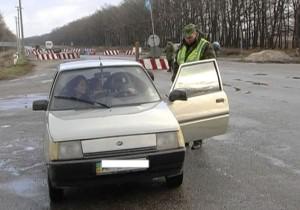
[5, 33]
[234, 23]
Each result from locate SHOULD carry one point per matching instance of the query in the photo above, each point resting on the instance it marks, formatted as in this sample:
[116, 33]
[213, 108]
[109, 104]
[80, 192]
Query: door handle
[220, 100]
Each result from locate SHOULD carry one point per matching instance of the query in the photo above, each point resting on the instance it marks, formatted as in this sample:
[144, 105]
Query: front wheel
[174, 181]
[55, 194]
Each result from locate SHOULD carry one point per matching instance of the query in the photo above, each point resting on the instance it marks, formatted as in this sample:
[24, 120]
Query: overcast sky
[41, 16]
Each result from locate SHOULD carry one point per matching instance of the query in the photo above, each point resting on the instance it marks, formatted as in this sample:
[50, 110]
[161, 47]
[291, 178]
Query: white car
[107, 123]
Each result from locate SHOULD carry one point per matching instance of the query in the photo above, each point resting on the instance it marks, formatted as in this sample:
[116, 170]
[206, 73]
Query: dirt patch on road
[258, 83]
[237, 89]
[260, 74]
[269, 56]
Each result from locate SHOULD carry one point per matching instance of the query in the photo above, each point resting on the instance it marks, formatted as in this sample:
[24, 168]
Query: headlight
[69, 150]
[181, 140]
[168, 140]
[65, 150]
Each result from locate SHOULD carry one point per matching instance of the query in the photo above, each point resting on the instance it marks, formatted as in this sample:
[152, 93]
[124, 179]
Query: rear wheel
[174, 181]
[55, 194]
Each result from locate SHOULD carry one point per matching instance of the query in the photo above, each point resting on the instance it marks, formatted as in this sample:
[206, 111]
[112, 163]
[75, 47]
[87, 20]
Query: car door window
[205, 113]
[198, 79]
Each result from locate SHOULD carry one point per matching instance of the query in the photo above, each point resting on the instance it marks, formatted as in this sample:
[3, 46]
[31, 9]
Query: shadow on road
[131, 195]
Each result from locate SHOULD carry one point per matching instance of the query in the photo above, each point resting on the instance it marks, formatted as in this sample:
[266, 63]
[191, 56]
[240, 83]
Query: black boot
[197, 144]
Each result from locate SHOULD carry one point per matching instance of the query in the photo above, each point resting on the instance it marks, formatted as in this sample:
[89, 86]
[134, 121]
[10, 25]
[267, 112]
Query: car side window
[198, 79]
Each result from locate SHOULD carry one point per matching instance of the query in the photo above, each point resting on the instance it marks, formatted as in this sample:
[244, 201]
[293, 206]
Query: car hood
[100, 123]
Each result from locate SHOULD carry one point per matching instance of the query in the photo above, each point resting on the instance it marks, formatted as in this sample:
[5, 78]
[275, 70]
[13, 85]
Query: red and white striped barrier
[117, 52]
[36, 52]
[73, 50]
[49, 54]
[111, 52]
[58, 56]
[130, 52]
[155, 63]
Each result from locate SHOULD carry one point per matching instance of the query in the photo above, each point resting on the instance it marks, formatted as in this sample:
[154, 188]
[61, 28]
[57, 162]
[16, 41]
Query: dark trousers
[170, 62]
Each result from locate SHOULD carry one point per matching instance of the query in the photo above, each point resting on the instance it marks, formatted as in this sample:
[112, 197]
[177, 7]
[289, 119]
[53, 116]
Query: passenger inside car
[77, 88]
[120, 84]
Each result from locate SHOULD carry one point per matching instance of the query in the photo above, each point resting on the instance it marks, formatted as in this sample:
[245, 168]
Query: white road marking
[46, 81]
[279, 163]
[29, 148]
[5, 126]
[31, 167]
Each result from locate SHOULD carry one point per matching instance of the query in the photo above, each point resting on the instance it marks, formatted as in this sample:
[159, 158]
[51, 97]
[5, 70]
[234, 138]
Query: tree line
[5, 34]
[233, 23]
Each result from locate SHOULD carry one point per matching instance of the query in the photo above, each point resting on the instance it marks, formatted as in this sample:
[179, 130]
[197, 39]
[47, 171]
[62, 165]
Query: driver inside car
[121, 85]
[77, 88]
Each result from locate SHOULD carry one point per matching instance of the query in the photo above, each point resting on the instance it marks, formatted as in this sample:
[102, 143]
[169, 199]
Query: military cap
[189, 29]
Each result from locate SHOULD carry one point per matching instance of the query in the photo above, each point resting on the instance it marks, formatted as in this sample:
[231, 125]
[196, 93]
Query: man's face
[81, 87]
[190, 39]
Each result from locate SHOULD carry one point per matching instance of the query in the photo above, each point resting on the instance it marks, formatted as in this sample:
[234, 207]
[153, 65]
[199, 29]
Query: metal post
[22, 31]
[298, 28]
[17, 34]
[241, 40]
[152, 22]
[18, 31]
[153, 32]
[137, 52]
[297, 40]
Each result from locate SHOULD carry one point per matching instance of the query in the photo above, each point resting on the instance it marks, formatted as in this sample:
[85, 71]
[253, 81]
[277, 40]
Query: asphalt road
[256, 165]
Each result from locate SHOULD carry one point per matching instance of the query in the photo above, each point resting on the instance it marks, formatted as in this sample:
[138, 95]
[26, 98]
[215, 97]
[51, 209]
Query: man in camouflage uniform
[170, 52]
[194, 47]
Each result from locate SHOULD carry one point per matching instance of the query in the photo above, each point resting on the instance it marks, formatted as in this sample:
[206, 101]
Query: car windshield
[102, 88]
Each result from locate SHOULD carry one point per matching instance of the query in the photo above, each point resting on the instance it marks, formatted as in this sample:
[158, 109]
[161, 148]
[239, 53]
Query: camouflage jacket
[170, 51]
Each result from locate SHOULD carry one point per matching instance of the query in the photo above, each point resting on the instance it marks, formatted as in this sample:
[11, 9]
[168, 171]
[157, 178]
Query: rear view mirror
[40, 105]
[178, 95]
[150, 74]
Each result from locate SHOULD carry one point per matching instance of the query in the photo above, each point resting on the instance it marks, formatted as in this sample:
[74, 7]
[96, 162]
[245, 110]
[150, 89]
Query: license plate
[114, 166]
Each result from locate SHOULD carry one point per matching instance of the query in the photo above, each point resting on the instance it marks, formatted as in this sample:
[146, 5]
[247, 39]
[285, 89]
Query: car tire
[55, 194]
[174, 181]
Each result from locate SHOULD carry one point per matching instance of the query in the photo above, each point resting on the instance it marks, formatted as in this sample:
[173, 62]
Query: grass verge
[14, 71]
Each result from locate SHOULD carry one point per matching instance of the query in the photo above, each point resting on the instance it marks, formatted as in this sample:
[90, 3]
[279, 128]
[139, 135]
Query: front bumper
[83, 172]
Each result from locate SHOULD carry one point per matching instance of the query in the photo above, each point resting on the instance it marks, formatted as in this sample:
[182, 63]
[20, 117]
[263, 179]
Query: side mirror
[178, 95]
[150, 74]
[40, 105]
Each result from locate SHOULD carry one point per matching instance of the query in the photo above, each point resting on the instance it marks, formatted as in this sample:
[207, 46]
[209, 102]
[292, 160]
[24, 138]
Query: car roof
[96, 63]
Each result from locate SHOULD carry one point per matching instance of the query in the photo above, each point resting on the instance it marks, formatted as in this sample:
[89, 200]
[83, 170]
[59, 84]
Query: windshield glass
[102, 88]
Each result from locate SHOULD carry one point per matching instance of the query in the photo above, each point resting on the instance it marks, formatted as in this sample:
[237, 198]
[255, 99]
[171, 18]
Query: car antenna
[100, 61]
[101, 69]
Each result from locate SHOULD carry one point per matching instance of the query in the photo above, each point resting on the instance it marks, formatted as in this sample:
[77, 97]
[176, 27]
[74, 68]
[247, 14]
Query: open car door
[198, 100]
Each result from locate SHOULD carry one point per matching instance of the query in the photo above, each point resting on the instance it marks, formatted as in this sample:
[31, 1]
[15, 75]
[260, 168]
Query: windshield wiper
[82, 100]
[102, 104]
